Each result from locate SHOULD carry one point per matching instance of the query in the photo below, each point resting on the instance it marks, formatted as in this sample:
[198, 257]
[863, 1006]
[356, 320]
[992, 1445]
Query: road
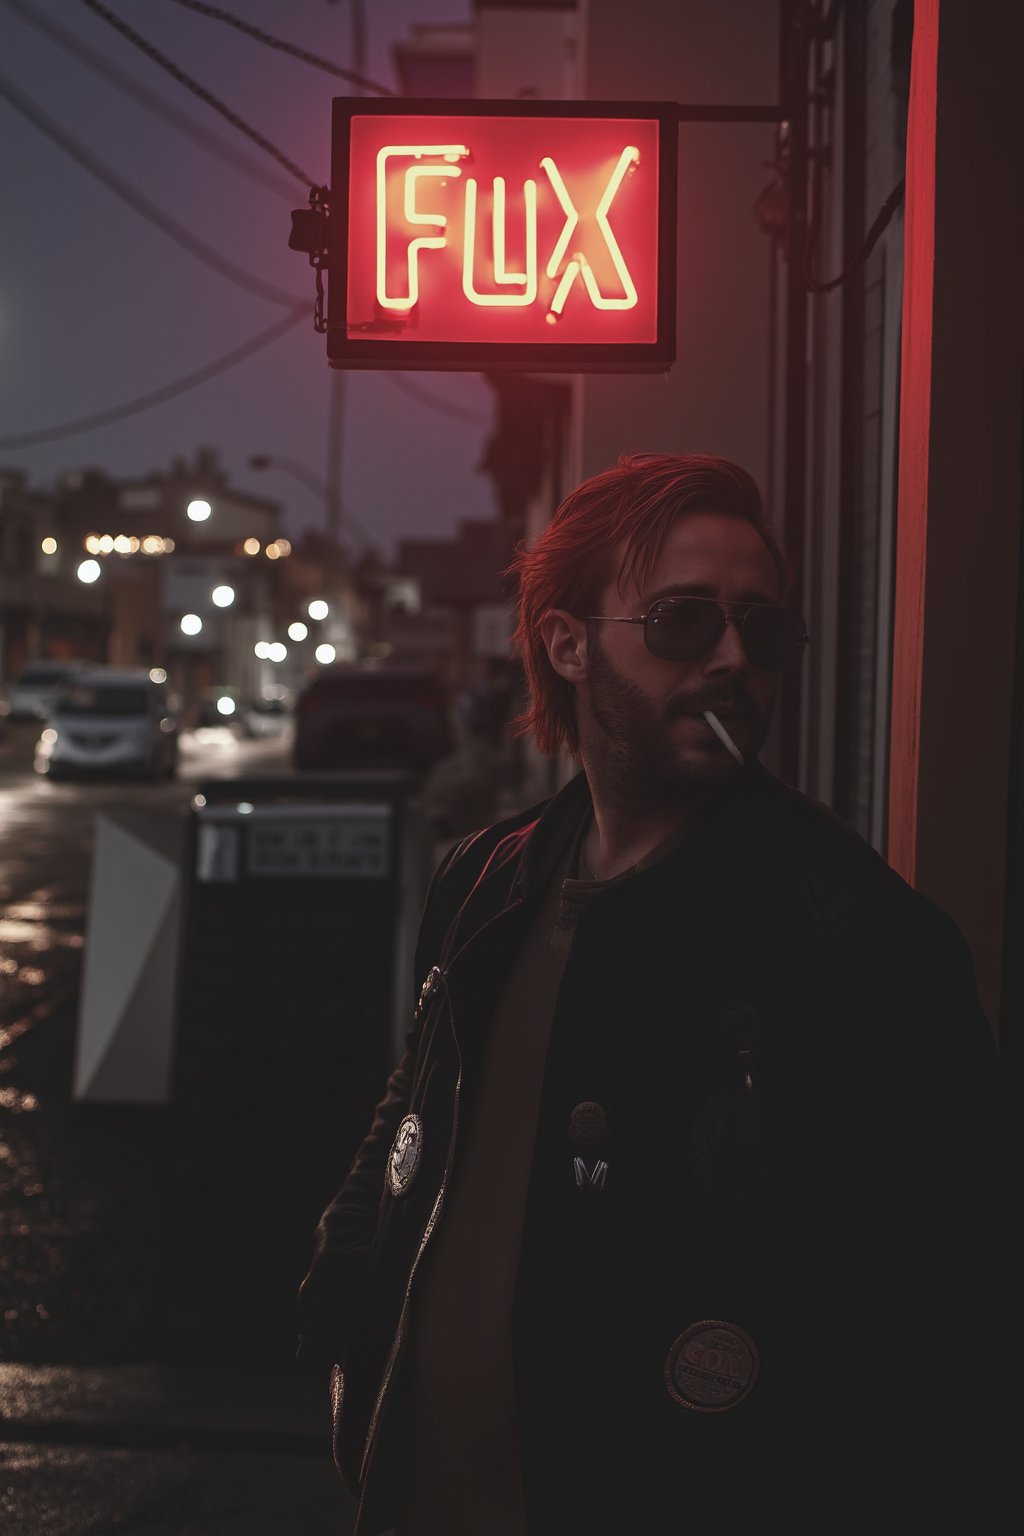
[47, 827]
[101, 1436]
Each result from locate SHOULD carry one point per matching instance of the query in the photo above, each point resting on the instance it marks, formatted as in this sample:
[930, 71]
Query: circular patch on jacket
[405, 1155]
[588, 1123]
[712, 1366]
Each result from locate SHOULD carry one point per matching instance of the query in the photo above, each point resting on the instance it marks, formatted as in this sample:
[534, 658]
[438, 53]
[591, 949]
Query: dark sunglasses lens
[684, 631]
[773, 637]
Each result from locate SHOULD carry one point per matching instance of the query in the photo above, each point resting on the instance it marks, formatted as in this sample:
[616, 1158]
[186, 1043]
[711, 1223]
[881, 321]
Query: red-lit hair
[628, 509]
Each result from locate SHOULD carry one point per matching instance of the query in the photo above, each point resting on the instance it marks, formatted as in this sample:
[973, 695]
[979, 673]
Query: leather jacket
[806, 1145]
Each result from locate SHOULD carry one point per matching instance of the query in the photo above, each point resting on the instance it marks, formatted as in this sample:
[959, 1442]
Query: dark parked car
[372, 717]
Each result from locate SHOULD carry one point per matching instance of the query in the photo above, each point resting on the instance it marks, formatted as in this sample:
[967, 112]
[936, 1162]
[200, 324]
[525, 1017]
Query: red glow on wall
[503, 229]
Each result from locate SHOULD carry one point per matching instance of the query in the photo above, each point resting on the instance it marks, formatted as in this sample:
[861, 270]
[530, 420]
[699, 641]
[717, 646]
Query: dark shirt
[466, 1477]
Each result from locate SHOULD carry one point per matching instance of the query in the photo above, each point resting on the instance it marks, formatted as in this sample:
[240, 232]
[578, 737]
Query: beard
[632, 755]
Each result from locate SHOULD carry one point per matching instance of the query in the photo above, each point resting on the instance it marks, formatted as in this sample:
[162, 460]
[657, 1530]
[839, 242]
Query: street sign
[292, 841]
[528, 235]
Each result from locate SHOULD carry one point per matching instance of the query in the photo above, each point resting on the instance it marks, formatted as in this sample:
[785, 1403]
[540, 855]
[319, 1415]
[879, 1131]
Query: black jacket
[806, 1137]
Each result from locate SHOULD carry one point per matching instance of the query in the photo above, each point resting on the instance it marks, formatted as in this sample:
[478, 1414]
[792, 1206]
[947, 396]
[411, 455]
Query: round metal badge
[405, 1156]
[588, 1123]
[712, 1366]
[433, 983]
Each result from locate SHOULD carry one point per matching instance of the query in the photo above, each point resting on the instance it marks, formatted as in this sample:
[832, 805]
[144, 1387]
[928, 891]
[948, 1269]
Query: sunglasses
[685, 628]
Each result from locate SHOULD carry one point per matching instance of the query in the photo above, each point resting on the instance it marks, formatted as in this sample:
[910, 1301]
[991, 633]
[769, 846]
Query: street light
[89, 571]
[325, 654]
[318, 609]
[297, 631]
[223, 596]
[198, 511]
[190, 623]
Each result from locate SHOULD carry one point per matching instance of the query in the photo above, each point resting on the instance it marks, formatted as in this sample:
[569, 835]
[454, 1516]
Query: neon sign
[533, 235]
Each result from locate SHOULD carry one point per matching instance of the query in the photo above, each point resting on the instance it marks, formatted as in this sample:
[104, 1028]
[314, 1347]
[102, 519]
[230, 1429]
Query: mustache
[695, 704]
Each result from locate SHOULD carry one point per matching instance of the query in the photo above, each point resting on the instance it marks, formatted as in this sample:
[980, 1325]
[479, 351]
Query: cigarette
[723, 736]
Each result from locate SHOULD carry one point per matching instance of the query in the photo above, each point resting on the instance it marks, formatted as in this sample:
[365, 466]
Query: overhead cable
[149, 100]
[216, 14]
[141, 204]
[435, 402]
[187, 81]
[157, 396]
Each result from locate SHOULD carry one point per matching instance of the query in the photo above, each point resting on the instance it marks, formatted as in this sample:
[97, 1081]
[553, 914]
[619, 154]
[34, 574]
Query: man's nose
[728, 654]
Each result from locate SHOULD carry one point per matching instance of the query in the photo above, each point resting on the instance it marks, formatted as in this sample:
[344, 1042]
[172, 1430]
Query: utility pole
[338, 377]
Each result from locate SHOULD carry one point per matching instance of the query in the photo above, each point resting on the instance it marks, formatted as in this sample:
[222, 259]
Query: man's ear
[565, 640]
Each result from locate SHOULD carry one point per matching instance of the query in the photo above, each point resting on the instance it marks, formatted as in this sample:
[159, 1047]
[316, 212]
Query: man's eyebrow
[701, 589]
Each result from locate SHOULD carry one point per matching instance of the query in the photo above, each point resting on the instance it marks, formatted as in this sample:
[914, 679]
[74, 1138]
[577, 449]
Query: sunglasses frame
[665, 605]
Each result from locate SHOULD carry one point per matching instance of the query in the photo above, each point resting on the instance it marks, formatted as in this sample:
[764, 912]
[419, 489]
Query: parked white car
[32, 692]
[262, 717]
[111, 720]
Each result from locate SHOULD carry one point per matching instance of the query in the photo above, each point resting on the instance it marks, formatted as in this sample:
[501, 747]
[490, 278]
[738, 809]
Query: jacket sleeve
[923, 1146]
[344, 1233]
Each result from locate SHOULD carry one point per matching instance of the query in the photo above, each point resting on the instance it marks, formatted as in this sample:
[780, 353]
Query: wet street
[63, 1166]
[101, 1431]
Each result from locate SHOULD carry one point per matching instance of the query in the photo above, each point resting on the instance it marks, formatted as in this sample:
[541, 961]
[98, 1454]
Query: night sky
[97, 306]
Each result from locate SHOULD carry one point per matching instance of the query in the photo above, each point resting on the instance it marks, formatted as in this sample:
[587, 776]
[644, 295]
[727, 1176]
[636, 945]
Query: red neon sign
[536, 235]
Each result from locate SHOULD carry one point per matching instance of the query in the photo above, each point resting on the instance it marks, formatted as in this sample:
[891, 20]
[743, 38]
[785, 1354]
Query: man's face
[640, 716]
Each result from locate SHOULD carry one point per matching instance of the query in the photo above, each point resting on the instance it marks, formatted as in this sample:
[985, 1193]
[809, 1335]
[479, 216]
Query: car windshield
[108, 699]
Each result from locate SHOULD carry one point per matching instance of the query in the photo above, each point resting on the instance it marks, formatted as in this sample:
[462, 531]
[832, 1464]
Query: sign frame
[485, 357]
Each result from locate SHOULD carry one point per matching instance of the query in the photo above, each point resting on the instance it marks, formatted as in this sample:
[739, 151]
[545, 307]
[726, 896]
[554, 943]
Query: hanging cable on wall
[871, 239]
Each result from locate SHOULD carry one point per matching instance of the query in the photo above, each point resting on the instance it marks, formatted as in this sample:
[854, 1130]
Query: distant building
[158, 549]
[449, 602]
[45, 611]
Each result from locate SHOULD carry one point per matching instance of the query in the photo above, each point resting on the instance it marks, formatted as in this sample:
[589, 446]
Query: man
[683, 1210]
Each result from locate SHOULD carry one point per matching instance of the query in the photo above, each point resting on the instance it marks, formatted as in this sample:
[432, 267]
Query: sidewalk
[96, 1439]
[145, 1450]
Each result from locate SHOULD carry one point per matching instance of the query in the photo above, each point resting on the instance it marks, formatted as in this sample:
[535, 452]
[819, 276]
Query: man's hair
[631, 507]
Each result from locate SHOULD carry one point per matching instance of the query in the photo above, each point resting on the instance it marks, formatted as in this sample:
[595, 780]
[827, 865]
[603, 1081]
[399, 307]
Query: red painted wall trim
[915, 432]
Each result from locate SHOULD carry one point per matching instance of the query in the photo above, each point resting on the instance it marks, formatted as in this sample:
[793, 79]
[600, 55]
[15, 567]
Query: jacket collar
[562, 817]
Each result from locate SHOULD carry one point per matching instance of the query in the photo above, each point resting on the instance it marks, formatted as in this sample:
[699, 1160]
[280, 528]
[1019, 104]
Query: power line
[142, 206]
[215, 13]
[434, 402]
[149, 100]
[187, 81]
[157, 396]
